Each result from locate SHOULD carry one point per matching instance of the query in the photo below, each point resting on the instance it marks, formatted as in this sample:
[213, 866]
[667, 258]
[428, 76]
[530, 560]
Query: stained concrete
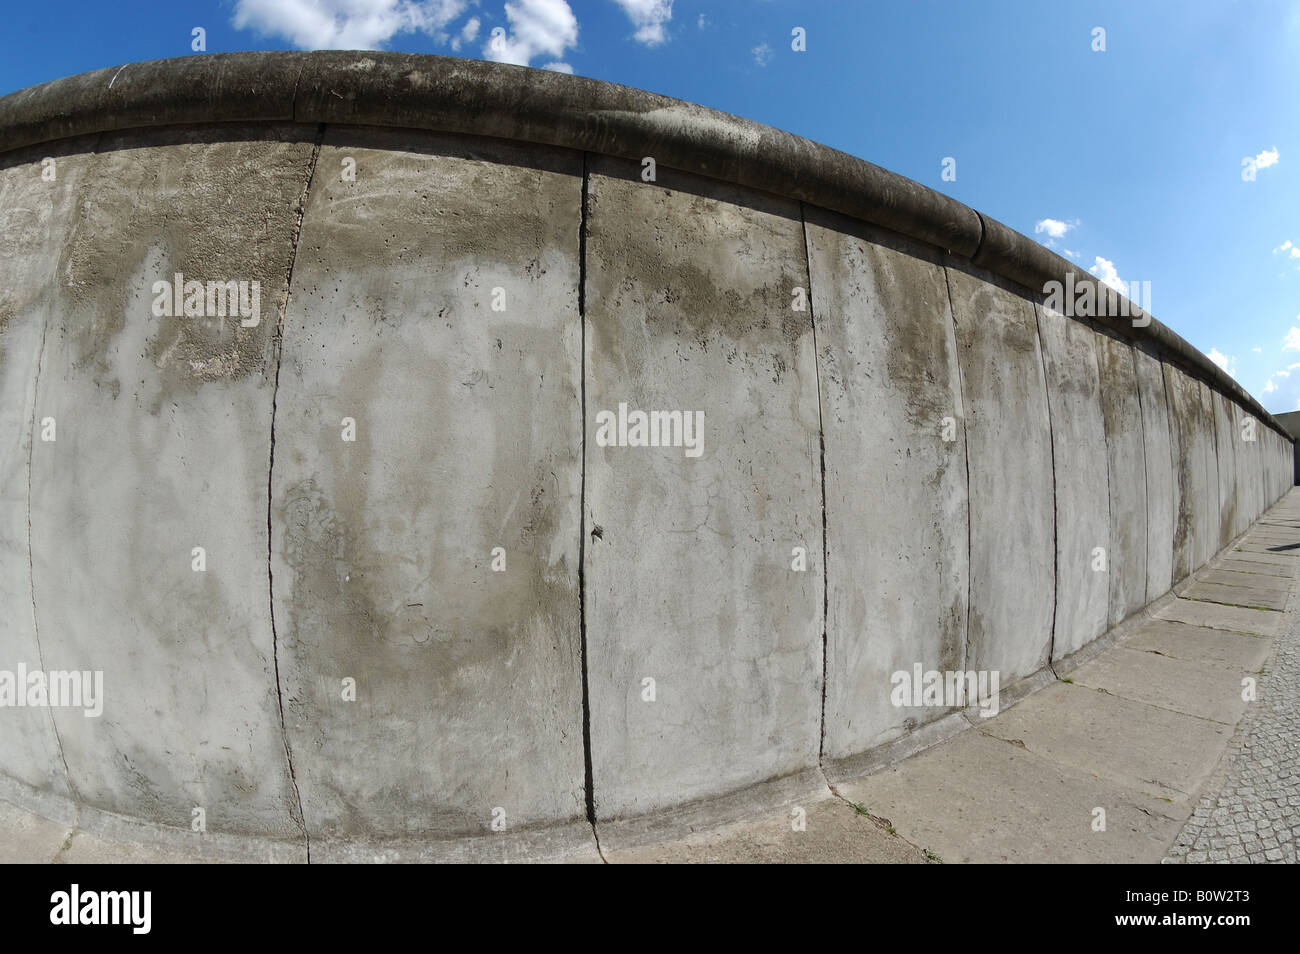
[1163, 493]
[1230, 526]
[1191, 461]
[468, 688]
[163, 433]
[1009, 445]
[1082, 494]
[33, 211]
[895, 455]
[1210, 514]
[1122, 415]
[691, 577]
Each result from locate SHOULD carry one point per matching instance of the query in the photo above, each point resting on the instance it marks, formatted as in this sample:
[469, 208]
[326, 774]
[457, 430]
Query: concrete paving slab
[1265, 568]
[979, 799]
[1194, 688]
[1278, 551]
[833, 832]
[1211, 647]
[1217, 616]
[1235, 595]
[26, 838]
[83, 848]
[1258, 581]
[1094, 732]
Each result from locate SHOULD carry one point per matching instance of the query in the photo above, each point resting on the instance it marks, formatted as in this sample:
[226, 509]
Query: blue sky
[1129, 159]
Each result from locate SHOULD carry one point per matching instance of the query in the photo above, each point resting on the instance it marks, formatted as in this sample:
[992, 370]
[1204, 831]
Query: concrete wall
[436, 601]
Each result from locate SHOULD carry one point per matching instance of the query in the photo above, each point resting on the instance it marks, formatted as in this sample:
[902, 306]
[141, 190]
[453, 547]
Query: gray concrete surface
[1009, 449]
[163, 426]
[689, 559]
[1162, 495]
[1080, 464]
[895, 482]
[1122, 415]
[520, 695]
[468, 703]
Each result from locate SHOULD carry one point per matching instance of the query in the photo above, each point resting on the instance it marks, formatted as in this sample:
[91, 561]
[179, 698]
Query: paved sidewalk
[1250, 810]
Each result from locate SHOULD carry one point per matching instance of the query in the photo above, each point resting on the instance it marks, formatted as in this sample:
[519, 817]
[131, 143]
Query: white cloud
[1291, 250]
[1055, 228]
[762, 54]
[1104, 269]
[1292, 340]
[649, 17]
[1266, 158]
[1226, 362]
[468, 33]
[346, 24]
[537, 27]
[558, 67]
[1257, 350]
[702, 22]
[1070, 253]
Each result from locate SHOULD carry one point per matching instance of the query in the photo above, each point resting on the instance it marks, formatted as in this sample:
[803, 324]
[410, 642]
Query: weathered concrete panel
[1209, 537]
[435, 306]
[163, 435]
[1163, 491]
[1248, 463]
[1079, 461]
[896, 507]
[1122, 414]
[1009, 443]
[35, 212]
[1191, 468]
[689, 560]
[1225, 443]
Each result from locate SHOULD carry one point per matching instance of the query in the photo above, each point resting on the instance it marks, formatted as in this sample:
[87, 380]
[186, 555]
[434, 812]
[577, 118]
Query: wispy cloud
[1054, 228]
[1226, 362]
[346, 24]
[1105, 270]
[537, 28]
[649, 17]
[762, 54]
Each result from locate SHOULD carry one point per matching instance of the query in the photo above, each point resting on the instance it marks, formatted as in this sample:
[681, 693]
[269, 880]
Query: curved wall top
[416, 91]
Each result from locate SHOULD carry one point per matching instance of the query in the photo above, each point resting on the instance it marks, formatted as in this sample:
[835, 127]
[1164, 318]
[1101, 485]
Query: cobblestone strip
[1250, 809]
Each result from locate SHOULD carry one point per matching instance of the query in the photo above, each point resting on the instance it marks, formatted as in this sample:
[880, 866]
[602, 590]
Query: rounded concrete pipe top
[474, 97]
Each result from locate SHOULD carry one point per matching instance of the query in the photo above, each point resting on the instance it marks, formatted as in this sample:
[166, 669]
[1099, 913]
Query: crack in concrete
[301, 817]
[1056, 523]
[821, 436]
[589, 784]
[965, 450]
